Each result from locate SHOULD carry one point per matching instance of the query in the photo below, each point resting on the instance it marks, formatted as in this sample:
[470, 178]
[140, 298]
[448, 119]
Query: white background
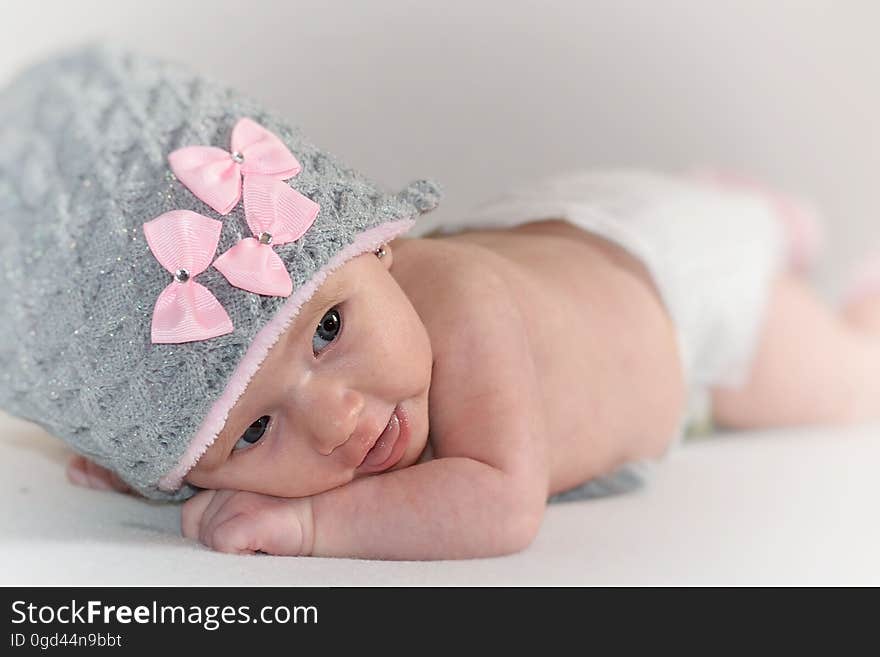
[481, 95]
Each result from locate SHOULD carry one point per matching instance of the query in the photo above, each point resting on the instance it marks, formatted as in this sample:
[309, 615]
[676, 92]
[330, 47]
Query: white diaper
[711, 252]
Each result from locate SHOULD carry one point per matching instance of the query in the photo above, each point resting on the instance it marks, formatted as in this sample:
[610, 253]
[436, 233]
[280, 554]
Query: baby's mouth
[382, 455]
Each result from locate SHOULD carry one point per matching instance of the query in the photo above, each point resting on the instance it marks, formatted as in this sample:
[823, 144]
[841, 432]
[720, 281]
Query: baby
[382, 396]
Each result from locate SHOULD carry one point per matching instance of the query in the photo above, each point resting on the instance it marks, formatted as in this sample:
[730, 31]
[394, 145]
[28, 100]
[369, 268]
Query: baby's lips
[390, 446]
[381, 449]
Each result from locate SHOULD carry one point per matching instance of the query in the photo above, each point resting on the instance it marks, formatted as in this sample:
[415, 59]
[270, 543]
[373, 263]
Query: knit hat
[160, 231]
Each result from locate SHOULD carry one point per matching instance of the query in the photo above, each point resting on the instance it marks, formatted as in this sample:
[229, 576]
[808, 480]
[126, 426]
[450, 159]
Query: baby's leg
[812, 365]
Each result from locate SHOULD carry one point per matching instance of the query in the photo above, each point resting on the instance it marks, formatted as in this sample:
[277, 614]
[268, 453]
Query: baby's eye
[253, 433]
[327, 330]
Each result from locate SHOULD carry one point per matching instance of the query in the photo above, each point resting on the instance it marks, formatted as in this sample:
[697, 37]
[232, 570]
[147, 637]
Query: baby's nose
[336, 422]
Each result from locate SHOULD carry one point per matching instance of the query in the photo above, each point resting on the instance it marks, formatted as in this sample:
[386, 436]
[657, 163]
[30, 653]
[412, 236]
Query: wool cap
[151, 219]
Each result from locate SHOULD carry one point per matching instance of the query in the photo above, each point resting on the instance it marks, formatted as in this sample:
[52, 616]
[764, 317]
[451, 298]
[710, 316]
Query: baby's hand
[83, 472]
[244, 523]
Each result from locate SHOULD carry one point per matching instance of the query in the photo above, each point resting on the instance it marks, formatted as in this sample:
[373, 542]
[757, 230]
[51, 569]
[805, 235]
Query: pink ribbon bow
[184, 243]
[214, 175]
[274, 217]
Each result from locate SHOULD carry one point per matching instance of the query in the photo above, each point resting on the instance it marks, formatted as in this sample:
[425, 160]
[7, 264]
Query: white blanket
[776, 507]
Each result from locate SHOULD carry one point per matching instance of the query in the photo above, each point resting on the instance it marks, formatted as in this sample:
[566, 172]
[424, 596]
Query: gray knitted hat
[117, 332]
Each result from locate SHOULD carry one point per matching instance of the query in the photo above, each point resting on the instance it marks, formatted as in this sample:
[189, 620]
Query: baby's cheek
[289, 480]
[220, 478]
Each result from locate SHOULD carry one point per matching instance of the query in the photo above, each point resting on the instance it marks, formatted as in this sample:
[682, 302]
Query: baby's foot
[860, 302]
[82, 472]
[802, 224]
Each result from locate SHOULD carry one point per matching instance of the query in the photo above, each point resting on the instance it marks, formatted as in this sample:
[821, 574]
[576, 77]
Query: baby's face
[356, 359]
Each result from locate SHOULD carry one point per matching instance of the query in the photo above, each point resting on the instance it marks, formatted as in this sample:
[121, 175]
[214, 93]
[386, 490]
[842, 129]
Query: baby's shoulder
[483, 380]
[444, 279]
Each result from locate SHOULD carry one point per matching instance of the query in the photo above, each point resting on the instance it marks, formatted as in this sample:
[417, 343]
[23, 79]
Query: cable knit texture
[86, 137]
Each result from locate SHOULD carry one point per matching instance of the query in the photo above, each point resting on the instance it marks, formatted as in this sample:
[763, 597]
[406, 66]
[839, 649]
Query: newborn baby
[419, 397]
[448, 389]
[427, 401]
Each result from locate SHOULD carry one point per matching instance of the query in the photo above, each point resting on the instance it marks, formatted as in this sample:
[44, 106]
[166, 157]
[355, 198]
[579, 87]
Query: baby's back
[603, 346]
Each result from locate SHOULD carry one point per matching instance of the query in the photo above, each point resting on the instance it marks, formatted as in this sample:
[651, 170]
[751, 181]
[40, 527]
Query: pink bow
[214, 175]
[184, 243]
[276, 214]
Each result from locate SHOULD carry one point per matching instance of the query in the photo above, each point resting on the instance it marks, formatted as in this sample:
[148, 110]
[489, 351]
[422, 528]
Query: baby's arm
[484, 494]
[444, 509]
[451, 507]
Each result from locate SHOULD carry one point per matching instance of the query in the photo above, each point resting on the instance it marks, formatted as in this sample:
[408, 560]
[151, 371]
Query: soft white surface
[781, 507]
[481, 95]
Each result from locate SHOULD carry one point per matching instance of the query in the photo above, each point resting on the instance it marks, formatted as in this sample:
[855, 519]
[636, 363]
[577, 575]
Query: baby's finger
[254, 531]
[234, 535]
[106, 479]
[274, 534]
[218, 511]
[76, 471]
[192, 511]
[81, 473]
